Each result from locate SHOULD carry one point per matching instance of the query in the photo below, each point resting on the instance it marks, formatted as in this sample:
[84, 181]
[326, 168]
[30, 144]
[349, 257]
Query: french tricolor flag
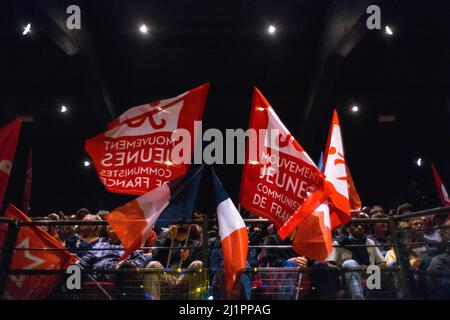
[233, 235]
[134, 221]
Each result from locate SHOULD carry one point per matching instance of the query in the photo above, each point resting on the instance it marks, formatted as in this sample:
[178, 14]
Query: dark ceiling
[321, 57]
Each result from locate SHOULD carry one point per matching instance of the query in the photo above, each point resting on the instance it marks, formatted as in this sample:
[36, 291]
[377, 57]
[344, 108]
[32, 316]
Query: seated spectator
[65, 232]
[53, 230]
[365, 210]
[439, 287]
[347, 255]
[284, 257]
[376, 210]
[107, 256]
[81, 213]
[87, 238]
[404, 209]
[187, 255]
[432, 227]
[379, 233]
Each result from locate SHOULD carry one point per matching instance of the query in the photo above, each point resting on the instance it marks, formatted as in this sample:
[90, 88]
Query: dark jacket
[161, 255]
[276, 256]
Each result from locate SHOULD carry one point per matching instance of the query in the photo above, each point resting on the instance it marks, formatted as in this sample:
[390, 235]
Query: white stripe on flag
[229, 218]
[154, 202]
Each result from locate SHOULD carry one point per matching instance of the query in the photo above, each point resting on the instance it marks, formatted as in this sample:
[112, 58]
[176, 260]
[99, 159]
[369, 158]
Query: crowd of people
[425, 243]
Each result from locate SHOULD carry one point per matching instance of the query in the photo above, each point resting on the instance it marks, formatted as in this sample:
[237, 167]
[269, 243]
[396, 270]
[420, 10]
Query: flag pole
[185, 244]
[298, 284]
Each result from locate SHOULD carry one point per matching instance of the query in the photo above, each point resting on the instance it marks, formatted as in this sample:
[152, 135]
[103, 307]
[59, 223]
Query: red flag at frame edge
[25, 287]
[9, 138]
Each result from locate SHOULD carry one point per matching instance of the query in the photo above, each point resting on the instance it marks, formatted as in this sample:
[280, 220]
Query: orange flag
[313, 237]
[355, 200]
[336, 176]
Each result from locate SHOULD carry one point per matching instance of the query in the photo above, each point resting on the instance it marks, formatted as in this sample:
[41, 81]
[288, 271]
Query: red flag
[313, 235]
[135, 155]
[9, 137]
[336, 178]
[276, 182]
[355, 200]
[441, 188]
[28, 180]
[25, 287]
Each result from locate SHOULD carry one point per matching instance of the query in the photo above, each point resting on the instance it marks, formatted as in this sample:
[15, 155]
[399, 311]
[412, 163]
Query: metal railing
[210, 286]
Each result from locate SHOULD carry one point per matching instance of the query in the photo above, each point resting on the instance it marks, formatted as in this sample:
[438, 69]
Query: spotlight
[64, 109]
[355, 108]
[419, 162]
[27, 29]
[271, 29]
[87, 164]
[143, 29]
[389, 31]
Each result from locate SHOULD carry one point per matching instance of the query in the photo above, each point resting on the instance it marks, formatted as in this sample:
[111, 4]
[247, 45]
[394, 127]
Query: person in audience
[376, 210]
[439, 286]
[286, 258]
[86, 239]
[185, 253]
[81, 213]
[379, 233]
[349, 252]
[65, 232]
[104, 255]
[404, 209]
[432, 231]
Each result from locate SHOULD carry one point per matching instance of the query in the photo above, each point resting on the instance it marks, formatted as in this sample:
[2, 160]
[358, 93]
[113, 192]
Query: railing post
[205, 256]
[406, 275]
[7, 253]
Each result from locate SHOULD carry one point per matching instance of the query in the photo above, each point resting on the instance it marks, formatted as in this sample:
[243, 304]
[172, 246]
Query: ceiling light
[27, 29]
[143, 29]
[355, 108]
[271, 29]
[419, 162]
[389, 31]
[64, 109]
[86, 163]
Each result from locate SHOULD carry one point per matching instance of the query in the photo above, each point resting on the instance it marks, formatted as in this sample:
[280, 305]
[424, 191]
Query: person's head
[445, 231]
[440, 218]
[183, 231]
[376, 209]
[52, 230]
[89, 230]
[81, 213]
[404, 209]
[356, 229]
[379, 229]
[365, 210]
[417, 224]
[65, 231]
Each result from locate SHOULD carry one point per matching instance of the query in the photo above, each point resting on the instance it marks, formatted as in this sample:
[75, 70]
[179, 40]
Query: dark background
[321, 57]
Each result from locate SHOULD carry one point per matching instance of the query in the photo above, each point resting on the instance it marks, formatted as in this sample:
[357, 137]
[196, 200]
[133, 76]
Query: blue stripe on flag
[219, 191]
[183, 192]
[320, 163]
